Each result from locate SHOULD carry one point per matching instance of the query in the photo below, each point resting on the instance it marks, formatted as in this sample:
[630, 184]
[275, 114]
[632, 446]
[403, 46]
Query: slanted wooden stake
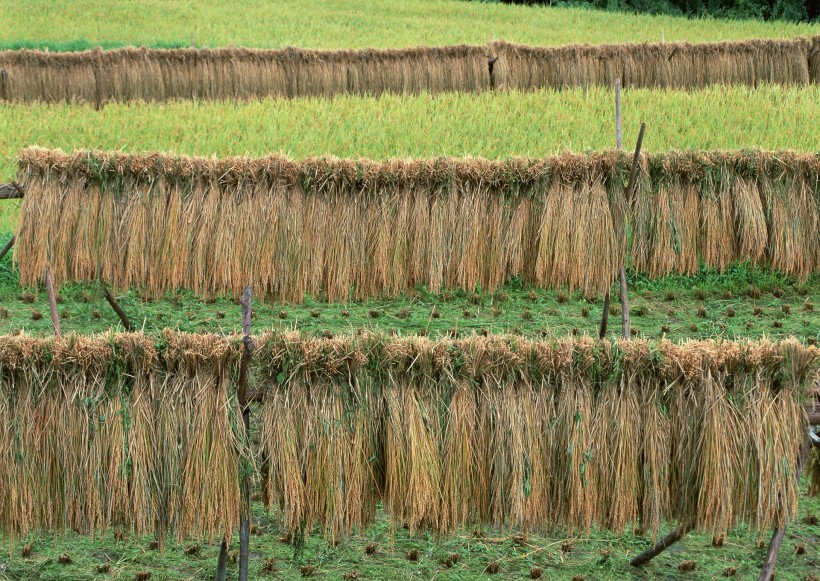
[117, 308]
[625, 330]
[52, 303]
[245, 486]
[222, 562]
[657, 549]
[767, 571]
[618, 141]
[630, 188]
[7, 247]
[11, 191]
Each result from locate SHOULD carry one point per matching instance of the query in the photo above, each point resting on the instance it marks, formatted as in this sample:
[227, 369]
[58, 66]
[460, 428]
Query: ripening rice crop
[334, 24]
[491, 124]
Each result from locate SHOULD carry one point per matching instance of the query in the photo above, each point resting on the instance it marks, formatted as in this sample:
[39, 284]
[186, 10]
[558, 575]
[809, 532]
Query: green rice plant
[343, 24]
[500, 124]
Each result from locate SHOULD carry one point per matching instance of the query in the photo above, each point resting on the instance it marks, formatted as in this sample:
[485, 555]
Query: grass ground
[600, 555]
[348, 23]
[492, 125]
[742, 302]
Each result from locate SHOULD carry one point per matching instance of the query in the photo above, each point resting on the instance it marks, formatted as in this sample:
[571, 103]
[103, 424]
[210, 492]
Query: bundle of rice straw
[344, 229]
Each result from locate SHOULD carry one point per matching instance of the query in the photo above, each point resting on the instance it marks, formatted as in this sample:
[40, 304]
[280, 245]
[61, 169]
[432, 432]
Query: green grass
[492, 125]
[601, 555]
[659, 308]
[349, 23]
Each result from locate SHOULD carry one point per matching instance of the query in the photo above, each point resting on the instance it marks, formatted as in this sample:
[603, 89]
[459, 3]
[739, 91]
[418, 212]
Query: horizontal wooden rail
[10, 191]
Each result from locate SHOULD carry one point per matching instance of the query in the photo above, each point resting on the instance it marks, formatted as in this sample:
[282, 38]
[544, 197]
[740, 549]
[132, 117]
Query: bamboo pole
[245, 487]
[52, 303]
[117, 308]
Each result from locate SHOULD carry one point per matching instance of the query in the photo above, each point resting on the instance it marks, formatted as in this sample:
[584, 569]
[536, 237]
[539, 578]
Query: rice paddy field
[738, 302]
[490, 125]
[345, 24]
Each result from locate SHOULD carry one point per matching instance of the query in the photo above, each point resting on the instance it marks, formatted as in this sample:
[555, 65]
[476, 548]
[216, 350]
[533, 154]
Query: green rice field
[491, 125]
[336, 24]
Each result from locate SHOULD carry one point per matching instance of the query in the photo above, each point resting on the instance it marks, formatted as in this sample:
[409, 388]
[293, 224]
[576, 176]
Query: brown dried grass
[136, 432]
[126, 74]
[658, 65]
[357, 229]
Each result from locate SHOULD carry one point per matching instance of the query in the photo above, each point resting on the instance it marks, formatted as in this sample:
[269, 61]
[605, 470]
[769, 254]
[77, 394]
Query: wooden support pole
[7, 247]
[630, 188]
[619, 143]
[767, 571]
[117, 308]
[245, 487]
[619, 137]
[11, 191]
[625, 327]
[222, 562]
[52, 303]
[658, 548]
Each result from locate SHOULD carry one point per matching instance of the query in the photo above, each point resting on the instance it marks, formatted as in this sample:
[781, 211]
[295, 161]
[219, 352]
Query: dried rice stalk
[138, 432]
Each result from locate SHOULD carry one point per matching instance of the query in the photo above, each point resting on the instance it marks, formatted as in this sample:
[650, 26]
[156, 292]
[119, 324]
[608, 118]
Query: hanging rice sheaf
[126, 74]
[676, 65]
[139, 433]
[118, 431]
[345, 229]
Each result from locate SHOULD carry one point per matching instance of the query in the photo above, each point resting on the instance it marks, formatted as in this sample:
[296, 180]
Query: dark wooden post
[630, 188]
[618, 142]
[244, 397]
[10, 191]
[767, 571]
[245, 486]
[52, 303]
[7, 247]
[222, 562]
[660, 547]
[117, 308]
[97, 79]
[625, 330]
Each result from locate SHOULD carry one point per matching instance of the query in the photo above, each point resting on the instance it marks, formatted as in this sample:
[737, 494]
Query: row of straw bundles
[118, 431]
[97, 76]
[139, 432]
[126, 74]
[343, 228]
[665, 65]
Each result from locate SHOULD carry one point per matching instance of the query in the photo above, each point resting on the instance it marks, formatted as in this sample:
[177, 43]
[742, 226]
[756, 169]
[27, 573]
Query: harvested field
[331, 226]
[128, 74]
[443, 433]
